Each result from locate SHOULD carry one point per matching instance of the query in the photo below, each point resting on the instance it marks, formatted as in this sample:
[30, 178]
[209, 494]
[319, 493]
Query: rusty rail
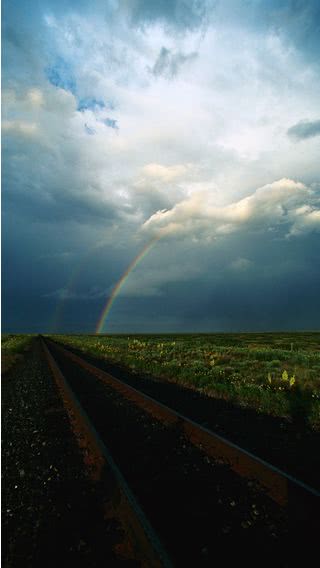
[139, 541]
[299, 499]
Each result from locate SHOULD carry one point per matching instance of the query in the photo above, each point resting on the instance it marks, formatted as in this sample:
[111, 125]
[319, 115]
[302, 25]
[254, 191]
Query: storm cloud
[168, 63]
[305, 129]
[125, 122]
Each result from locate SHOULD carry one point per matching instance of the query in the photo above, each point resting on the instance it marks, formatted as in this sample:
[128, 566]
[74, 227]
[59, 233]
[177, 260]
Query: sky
[189, 130]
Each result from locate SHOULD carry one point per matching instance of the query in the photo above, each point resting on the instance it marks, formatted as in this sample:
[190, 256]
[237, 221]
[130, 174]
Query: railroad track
[229, 498]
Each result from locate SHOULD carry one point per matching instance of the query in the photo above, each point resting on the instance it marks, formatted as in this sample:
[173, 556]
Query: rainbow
[121, 282]
[70, 284]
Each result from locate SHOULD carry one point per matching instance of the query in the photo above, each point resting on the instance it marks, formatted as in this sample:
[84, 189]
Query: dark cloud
[111, 123]
[304, 129]
[180, 14]
[68, 294]
[169, 63]
[73, 202]
[299, 21]
[54, 207]
[295, 21]
[276, 295]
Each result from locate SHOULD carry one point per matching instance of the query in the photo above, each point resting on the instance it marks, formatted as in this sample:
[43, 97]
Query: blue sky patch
[89, 130]
[90, 103]
[60, 75]
[111, 122]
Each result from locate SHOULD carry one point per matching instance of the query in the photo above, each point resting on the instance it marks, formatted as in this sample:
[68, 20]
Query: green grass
[13, 348]
[275, 373]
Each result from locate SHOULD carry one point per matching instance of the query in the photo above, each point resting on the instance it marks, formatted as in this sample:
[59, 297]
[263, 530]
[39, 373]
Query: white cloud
[221, 123]
[306, 219]
[189, 152]
[36, 97]
[165, 173]
[20, 127]
[282, 203]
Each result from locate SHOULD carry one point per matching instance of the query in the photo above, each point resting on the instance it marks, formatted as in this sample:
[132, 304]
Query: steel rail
[139, 540]
[298, 498]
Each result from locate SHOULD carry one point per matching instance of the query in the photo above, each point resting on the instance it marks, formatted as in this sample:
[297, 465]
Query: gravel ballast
[51, 510]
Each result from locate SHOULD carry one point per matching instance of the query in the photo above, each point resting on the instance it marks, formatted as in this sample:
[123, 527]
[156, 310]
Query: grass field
[274, 373]
[13, 348]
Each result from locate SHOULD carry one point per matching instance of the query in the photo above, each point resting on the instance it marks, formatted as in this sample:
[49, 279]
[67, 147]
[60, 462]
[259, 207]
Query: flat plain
[276, 374]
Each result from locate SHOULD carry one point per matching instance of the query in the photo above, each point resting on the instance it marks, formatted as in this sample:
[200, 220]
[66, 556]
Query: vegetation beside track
[275, 373]
[13, 349]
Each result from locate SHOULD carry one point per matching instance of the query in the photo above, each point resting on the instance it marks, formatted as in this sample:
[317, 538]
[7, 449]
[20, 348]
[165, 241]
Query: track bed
[198, 506]
[51, 511]
[178, 503]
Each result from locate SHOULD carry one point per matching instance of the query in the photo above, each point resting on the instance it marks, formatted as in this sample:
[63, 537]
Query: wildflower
[292, 380]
